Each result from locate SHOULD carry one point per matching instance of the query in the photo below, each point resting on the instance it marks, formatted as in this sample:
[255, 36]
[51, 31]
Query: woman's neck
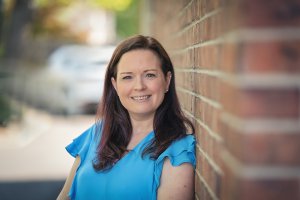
[141, 125]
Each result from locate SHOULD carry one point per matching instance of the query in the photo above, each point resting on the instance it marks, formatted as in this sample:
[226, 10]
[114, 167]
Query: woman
[139, 148]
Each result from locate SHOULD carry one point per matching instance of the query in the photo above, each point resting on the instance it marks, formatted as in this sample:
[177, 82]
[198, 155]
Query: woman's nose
[139, 84]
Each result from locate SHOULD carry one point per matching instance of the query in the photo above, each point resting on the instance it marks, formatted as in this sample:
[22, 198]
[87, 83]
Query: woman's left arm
[176, 182]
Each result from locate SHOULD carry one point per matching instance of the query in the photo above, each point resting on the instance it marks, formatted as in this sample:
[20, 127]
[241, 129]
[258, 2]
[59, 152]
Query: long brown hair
[169, 122]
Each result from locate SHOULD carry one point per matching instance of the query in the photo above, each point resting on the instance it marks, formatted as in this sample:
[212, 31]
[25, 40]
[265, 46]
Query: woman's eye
[150, 75]
[126, 77]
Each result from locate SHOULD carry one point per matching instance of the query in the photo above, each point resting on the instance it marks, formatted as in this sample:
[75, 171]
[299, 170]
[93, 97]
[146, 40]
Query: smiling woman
[140, 83]
[140, 147]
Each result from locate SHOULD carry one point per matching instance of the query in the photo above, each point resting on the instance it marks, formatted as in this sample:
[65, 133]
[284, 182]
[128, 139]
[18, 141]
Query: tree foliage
[126, 12]
[115, 5]
[128, 20]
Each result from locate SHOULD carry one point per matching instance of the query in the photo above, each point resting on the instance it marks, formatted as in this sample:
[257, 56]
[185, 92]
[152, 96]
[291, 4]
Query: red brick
[206, 57]
[270, 189]
[237, 188]
[200, 160]
[231, 17]
[282, 149]
[201, 191]
[262, 103]
[275, 103]
[207, 86]
[266, 148]
[188, 101]
[208, 29]
[185, 80]
[211, 177]
[208, 114]
[229, 96]
[213, 5]
[230, 189]
[229, 55]
[184, 59]
[271, 57]
[203, 140]
[197, 187]
[256, 13]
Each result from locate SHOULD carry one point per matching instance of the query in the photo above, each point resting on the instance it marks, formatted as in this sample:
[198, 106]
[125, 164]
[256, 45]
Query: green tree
[128, 20]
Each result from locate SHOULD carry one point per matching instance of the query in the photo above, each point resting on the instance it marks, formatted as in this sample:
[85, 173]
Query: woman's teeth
[140, 98]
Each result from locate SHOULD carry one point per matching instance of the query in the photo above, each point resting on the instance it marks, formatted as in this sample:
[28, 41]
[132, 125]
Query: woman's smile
[141, 98]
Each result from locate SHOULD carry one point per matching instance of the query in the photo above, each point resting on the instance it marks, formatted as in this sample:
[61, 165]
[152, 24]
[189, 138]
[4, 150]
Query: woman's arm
[63, 195]
[176, 183]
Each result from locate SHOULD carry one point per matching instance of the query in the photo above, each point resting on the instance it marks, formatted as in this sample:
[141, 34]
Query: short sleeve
[81, 144]
[179, 152]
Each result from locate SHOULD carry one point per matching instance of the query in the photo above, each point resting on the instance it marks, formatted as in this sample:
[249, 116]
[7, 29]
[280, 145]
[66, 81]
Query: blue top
[132, 177]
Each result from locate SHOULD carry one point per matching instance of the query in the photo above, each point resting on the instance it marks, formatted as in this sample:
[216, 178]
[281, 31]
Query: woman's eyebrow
[126, 73]
[147, 70]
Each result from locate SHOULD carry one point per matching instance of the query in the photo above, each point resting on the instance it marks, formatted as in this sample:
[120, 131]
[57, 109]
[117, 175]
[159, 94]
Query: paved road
[33, 161]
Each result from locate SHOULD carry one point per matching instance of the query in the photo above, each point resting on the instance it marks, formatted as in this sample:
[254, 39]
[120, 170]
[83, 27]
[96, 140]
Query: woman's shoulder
[180, 151]
[81, 143]
[185, 143]
[88, 133]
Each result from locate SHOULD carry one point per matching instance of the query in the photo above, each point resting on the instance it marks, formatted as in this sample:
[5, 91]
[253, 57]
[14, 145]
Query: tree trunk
[1, 21]
[21, 16]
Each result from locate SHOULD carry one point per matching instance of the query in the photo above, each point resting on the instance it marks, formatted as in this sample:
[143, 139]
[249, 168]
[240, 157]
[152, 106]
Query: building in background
[88, 24]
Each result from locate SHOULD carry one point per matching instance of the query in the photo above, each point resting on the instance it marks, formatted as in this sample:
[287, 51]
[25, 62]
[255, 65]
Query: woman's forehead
[139, 60]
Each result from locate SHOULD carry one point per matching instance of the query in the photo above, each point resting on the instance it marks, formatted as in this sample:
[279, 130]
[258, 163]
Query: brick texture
[238, 79]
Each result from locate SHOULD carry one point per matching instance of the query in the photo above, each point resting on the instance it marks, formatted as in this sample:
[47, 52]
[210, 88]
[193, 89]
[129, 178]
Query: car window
[76, 57]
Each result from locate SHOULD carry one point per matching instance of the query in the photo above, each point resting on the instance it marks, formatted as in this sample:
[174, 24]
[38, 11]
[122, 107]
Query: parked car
[72, 82]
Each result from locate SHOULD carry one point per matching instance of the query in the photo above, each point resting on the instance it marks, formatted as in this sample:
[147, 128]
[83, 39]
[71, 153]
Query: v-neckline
[137, 146]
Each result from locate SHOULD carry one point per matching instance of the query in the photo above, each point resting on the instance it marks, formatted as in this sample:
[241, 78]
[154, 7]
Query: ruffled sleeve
[180, 151]
[81, 144]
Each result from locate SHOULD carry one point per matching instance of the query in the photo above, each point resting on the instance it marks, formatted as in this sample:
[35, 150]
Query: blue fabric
[132, 177]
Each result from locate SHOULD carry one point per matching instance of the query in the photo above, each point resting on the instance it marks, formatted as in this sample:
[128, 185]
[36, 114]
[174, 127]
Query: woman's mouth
[141, 98]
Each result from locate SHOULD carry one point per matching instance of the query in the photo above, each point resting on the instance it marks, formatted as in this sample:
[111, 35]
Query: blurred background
[53, 57]
[46, 45]
[237, 77]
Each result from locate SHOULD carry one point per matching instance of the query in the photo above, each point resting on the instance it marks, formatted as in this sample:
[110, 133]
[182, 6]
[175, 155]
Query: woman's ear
[114, 83]
[168, 79]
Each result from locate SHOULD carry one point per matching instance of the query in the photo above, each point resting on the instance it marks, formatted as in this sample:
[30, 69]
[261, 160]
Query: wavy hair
[169, 121]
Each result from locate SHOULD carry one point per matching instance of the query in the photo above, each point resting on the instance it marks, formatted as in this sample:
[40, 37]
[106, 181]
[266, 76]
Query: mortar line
[212, 194]
[210, 132]
[213, 103]
[261, 125]
[210, 161]
[259, 172]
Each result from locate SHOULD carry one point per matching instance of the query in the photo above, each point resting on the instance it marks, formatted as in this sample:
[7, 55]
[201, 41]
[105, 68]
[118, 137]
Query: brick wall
[238, 77]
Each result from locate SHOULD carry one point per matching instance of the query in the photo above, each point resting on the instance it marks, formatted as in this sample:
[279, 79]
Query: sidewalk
[35, 149]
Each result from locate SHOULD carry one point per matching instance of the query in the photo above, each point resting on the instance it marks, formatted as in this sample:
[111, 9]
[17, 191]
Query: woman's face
[140, 83]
